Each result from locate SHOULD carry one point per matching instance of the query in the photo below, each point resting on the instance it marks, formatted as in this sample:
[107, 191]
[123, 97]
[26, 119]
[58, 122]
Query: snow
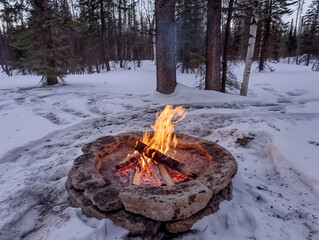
[276, 189]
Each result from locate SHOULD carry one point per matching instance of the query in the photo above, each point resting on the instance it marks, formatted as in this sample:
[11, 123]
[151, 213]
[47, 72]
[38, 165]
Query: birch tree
[250, 51]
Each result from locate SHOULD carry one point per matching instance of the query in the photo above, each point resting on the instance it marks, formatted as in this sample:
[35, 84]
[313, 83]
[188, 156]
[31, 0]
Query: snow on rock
[276, 189]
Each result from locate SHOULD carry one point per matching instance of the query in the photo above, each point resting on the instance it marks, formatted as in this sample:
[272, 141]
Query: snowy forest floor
[276, 189]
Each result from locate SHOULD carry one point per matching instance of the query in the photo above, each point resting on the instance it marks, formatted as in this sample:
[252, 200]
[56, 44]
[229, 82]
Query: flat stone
[212, 207]
[83, 174]
[102, 146]
[166, 203]
[136, 224]
[106, 198]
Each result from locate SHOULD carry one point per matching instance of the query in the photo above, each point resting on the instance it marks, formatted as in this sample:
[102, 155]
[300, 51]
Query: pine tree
[190, 34]
[11, 16]
[291, 43]
[271, 16]
[310, 34]
[226, 45]
[42, 39]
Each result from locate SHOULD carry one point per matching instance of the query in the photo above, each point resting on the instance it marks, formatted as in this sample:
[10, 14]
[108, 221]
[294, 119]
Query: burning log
[129, 159]
[165, 175]
[152, 172]
[156, 173]
[163, 159]
[137, 174]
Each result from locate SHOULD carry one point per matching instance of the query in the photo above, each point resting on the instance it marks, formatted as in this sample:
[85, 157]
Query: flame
[162, 140]
[163, 129]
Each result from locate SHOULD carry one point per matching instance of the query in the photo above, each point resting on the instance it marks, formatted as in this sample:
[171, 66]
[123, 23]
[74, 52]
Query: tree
[298, 26]
[165, 46]
[43, 40]
[4, 46]
[250, 49]
[226, 45]
[190, 37]
[291, 43]
[271, 15]
[213, 45]
[310, 34]
[105, 57]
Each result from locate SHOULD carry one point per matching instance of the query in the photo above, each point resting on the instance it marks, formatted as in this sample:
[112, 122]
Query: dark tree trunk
[226, 44]
[52, 81]
[265, 36]
[42, 9]
[308, 58]
[105, 54]
[4, 44]
[213, 45]
[120, 40]
[165, 46]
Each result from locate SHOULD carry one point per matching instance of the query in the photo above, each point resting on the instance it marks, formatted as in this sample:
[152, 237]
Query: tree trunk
[298, 29]
[4, 54]
[250, 52]
[120, 40]
[226, 44]
[266, 33]
[165, 46]
[105, 58]
[213, 42]
[51, 81]
[154, 39]
[308, 58]
[46, 39]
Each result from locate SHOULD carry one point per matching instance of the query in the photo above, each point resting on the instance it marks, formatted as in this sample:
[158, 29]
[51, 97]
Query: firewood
[163, 159]
[165, 175]
[151, 169]
[128, 159]
[137, 174]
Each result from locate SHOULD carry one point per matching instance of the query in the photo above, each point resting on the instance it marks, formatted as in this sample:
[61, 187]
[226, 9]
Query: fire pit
[143, 187]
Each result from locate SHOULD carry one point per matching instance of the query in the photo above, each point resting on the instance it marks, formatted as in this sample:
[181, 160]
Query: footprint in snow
[296, 92]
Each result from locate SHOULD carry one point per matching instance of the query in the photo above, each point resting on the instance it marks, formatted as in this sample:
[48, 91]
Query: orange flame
[163, 140]
[164, 128]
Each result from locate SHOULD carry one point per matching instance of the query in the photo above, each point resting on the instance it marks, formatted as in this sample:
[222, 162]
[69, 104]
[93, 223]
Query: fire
[164, 128]
[145, 169]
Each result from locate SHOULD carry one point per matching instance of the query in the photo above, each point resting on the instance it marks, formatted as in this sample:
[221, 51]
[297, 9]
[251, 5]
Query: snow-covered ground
[276, 189]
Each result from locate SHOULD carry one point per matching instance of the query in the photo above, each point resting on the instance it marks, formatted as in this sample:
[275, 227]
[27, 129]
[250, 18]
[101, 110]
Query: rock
[136, 224]
[102, 146]
[212, 207]
[104, 197]
[166, 203]
[223, 169]
[83, 173]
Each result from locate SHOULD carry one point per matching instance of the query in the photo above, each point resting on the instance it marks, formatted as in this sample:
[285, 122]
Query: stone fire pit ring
[93, 186]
